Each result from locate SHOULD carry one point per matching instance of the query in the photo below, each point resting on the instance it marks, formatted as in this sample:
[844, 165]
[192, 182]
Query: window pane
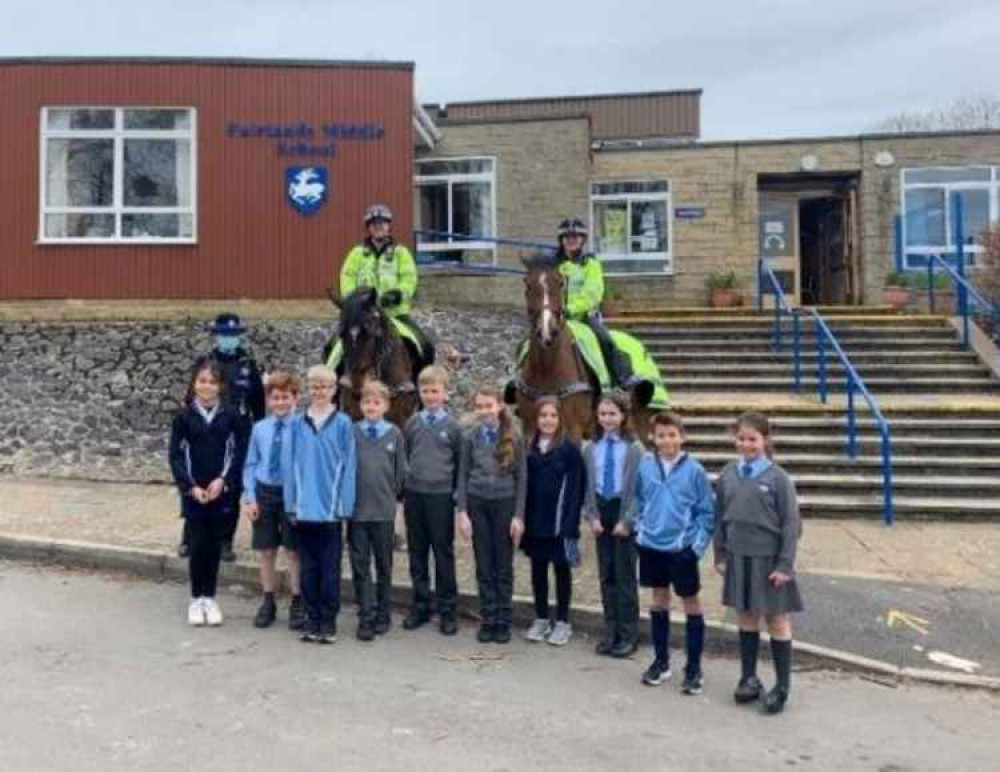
[636, 265]
[174, 120]
[79, 172]
[157, 172]
[157, 226]
[67, 118]
[975, 215]
[925, 222]
[79, 226]
[915, 260]
[924, 176]
[612, 227]
[433, 214]
[635, 186]
[472, 209]
[649, 226]
[461, 166]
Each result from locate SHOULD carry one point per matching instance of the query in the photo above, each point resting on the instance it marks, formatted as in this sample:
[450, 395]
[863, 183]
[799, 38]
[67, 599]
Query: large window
[117, 174]
[456, 197]
[929, 211]
[631, 226]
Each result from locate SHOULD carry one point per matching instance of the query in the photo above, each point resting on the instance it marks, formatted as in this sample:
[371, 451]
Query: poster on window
[613, 227]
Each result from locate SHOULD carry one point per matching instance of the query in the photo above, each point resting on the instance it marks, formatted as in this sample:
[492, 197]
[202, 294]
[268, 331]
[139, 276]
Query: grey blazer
[633, 456]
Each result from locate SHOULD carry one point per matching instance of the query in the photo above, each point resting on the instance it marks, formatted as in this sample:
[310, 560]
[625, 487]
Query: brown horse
[371, 348]
[553, 364]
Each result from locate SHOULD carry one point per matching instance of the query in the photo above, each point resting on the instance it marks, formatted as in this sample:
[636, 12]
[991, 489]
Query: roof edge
[210, 61]
[568, 98]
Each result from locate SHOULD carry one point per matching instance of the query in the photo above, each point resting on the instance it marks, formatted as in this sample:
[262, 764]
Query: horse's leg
[640, 424]
[578, 415]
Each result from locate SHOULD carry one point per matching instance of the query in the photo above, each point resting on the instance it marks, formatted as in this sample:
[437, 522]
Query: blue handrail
[766, 278]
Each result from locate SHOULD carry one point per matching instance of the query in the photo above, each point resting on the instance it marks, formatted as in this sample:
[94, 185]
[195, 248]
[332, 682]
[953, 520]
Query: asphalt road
[101, 673]
[912, 625]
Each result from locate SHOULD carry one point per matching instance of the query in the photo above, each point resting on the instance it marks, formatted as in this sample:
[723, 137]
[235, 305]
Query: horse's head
[363, 326]
[543, 294]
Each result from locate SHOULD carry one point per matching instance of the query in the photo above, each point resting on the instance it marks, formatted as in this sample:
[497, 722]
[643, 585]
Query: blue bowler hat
[228, 324]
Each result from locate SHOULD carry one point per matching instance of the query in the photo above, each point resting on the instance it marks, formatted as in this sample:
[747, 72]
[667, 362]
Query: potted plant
[897, 292]
[723, 290]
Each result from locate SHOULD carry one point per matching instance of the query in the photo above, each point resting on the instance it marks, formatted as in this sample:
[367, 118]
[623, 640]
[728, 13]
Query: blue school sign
[307, 187]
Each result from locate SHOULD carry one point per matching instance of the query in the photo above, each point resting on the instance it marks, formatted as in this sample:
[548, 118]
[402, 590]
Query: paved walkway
[918, 594]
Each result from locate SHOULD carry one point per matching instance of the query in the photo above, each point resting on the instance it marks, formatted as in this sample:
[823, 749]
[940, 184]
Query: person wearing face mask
[244, 394]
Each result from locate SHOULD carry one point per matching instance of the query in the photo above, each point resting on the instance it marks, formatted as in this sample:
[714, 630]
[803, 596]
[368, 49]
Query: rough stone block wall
[94, 399]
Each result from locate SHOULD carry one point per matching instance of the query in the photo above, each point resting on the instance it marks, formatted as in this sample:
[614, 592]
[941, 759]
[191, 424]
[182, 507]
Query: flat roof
[567, 98]
[210, 61]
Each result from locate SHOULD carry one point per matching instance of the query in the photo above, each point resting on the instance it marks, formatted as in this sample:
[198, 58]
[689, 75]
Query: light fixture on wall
[884, 159]
[809, 163]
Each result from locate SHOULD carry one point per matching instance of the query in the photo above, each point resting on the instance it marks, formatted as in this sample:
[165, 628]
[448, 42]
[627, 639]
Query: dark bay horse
[371, 348]
[552, 364]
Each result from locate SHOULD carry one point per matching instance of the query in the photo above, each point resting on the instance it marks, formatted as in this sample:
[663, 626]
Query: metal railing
[767, 282]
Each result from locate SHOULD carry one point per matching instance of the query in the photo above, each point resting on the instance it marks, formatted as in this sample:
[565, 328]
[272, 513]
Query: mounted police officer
[584, 293]
[243, 392]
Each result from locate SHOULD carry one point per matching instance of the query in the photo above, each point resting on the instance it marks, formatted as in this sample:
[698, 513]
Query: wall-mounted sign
[307, 187]
[689, 212]
[776, 234]
[306, 139]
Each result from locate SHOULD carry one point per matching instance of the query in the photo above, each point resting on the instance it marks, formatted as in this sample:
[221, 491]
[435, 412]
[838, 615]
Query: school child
[556, 482]
[612, 461]
[492, 486]
[433, 443]
[755, 548]
[205, 442]
[263, 499]
[675, 518]
[244, 393]
[381, 475]
[320, 468]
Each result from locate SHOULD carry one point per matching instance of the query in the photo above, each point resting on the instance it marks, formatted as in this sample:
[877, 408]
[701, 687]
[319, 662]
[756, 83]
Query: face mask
[227, 344]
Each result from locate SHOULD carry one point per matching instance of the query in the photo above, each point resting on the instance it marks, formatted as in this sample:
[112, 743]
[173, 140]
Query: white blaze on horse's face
[547, 325]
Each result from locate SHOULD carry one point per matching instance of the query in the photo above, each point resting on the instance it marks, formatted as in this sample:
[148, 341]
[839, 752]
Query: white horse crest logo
[307, 187]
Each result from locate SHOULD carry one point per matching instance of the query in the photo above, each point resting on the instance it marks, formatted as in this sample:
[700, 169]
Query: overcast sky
[768, 69]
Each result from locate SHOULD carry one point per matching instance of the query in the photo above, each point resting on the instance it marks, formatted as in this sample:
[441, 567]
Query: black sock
[781, 654]
[749, 645]
[694, 642]
[659, 622]
[269, 598]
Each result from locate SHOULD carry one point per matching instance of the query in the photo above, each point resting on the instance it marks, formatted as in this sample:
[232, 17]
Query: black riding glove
[391, 298]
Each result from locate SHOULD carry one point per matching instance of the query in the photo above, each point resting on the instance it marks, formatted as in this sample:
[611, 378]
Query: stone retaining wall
[94, 399]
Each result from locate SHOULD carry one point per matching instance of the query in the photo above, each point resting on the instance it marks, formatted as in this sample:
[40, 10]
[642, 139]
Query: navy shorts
[272, 528]
[670, 569]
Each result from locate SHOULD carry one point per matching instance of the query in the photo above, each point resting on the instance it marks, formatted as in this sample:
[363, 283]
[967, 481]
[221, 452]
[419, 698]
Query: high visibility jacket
[391, 269]
[584, 285]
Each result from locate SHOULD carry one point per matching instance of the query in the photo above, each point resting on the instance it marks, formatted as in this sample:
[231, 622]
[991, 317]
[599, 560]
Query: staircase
[942, 404]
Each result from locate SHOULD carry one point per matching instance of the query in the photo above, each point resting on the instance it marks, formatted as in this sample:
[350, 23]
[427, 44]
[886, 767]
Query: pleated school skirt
[747, 589]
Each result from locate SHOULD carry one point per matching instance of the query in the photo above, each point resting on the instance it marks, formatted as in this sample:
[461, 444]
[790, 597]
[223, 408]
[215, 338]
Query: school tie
[491, 436]
[747, 471]
[373, 432]
[431, 419]
[274, 460]
[608, 488]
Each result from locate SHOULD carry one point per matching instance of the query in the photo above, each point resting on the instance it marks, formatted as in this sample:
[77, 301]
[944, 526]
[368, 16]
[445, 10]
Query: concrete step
[666, 355]
[762, 343]
[798, 462]
[982, 488]
[880, 387]
[905, 507]
[867, 443]
[667, 312]
[902, 371]
[784, 425]
[767, 320]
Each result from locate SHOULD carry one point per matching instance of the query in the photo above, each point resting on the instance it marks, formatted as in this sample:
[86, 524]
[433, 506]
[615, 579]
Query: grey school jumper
[480, 475]
[432, 454]
[633, 457]
[381, 474]
[758, 517]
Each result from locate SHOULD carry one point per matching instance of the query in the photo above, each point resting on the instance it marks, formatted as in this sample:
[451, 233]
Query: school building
[212, 178]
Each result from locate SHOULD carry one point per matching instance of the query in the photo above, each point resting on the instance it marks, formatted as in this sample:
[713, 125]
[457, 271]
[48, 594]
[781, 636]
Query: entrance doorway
[818, 260]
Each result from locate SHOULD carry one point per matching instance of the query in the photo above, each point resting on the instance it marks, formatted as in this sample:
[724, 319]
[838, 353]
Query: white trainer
[539, 631]
[561, 634]
[196, 613]
[213, 614]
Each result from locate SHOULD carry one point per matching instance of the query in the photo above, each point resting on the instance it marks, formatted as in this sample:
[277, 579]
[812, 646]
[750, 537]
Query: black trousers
[430, 527]
[618, 363]
[494, 552]
[370, 541]
[205, 536]
[540, 587]
[230, 521]
[616, 561]
[320, 551]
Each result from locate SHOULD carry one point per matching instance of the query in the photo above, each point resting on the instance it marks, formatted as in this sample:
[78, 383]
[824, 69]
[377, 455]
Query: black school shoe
[266, 614]
[501, 633]
[775, 700]
[366, 632]
[383, 624]
[416, 619]
[448, 626]
[624, 649]
[485, 634]
[748, 690]
[310, 632]
[605, 646]
[296, 613]
[694, 682]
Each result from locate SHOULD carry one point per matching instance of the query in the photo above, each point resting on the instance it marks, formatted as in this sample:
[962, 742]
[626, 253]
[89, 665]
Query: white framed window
[118, 174]
[631, 226]
[456, 196]
[927, 204]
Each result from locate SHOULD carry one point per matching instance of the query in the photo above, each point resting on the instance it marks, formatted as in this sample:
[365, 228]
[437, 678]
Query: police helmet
[228, 323]
[378, 212]
[572, 227]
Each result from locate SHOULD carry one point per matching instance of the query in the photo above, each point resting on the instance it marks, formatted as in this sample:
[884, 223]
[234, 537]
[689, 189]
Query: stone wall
[94, 399]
